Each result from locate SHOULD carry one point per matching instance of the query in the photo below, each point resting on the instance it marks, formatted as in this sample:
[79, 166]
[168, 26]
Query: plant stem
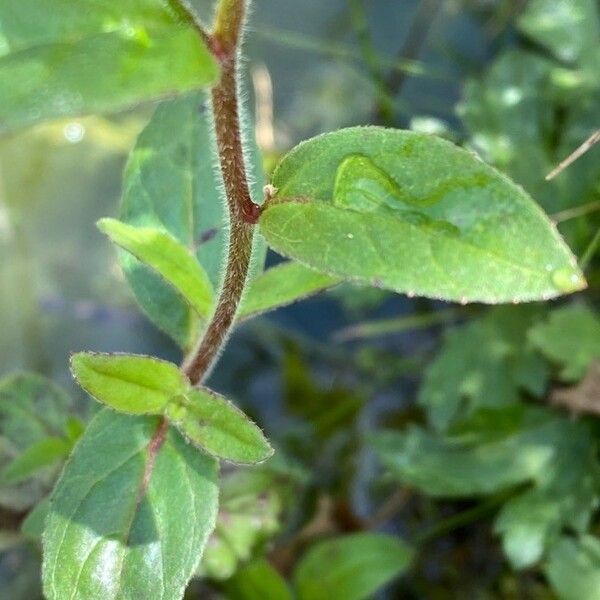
[243, 213]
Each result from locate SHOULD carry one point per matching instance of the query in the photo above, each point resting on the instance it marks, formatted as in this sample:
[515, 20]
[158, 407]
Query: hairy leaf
[168, 257]
[129, 383]
[573, 568]
[218, 426]
[415, 214]
[32, 409]
[60, 59]
[353, 567]
[570, 338]
[174, 159]
[283, 285]
[129, 517]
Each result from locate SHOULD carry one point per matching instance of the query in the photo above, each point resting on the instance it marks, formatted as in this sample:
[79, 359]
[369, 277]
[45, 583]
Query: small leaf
[168, 257]
[219, 427]
[487, 363]
[130, 516]
[32, 408]
[62, 59]
[174, 158]
[128, 383]
[415, 214]
[570, 338]
[282, 285]
[39, 455]
[353, 567]
[573, 568]
[74, 429]
[258, 581]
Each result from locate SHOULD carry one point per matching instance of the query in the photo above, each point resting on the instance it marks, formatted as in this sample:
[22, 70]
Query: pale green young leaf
[283, 285]
[258, 581]
[39, 455]
[174, 158]
[415, 214]
[167, 257]
[128, 383]
[218, 426]
[353, 567]
[32, 408]
[570, 338]
[60, 59]
[129, 518]
[573, 568]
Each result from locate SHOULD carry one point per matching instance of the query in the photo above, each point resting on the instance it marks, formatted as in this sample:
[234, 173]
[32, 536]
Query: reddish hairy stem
[243, 213]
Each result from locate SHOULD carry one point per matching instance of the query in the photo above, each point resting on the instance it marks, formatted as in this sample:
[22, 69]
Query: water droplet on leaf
[567, 280]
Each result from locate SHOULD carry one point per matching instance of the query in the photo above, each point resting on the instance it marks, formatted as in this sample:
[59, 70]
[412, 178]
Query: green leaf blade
[173, 158]
[257, 581]
[132, 384]
[415, 214]
[283, 285]
[219, 427]
[570, 338]
[168, 257]
[39, 455]
[352, 567]
[66, 61]
[573, 568]
[121, 527]
[32, 408]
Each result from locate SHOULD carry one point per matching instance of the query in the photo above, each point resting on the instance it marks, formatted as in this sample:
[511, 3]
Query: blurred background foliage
[470, 432]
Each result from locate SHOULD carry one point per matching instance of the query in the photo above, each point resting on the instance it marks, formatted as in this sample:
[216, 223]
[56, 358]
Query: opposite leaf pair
[139, 385]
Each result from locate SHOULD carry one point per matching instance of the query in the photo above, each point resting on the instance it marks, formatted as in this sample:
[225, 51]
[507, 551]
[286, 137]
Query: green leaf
[60, 59]
[251, 503]
[33, 524]
[218, 426]
[570, 338]
[129, 517]
[498, 450]
[283, 285]
[258, 581]
[485, 364]
[168, 257]
[509, 112]
[128, 383]
[415, 214]
[32, 409]
[174, 158]
[573, 568]
[39, 455]
[353, 567]
[571, 30]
